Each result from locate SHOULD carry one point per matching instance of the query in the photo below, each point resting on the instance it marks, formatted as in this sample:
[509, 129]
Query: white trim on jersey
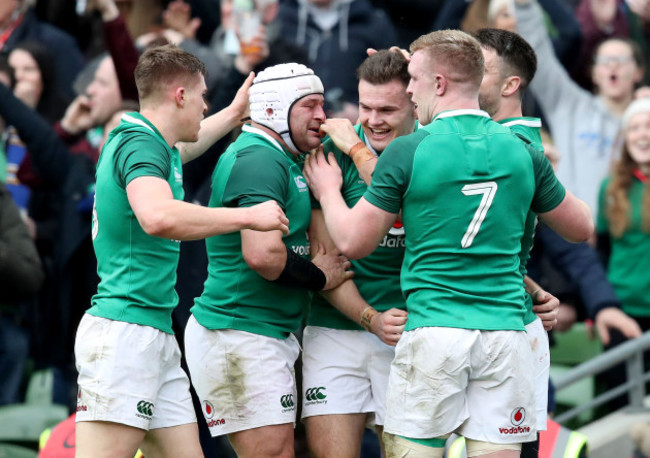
[524, 122]
[463, 112]
[255, 130]
[132, 120]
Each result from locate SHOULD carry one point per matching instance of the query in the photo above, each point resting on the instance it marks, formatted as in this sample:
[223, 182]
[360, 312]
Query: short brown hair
[383, 67]
[456, 53]
[161, 65]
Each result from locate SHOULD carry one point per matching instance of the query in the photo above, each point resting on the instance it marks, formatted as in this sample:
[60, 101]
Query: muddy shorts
[243, 380]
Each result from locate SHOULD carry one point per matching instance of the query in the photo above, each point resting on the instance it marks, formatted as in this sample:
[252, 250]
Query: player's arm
[545, 305]
[161, 215]
[266, 254]
[214, 127]
[342, 133]
[571, 219]
[355, 231]
[388, 326]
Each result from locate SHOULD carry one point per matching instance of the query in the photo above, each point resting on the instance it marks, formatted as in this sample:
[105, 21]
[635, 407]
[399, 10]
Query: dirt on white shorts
[130, 374]
[538, 339]
[243, 380]
[475, 383]
[344, 372]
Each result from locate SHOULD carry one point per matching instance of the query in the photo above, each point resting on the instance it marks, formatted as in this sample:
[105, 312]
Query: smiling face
[615, 72]
[305, 118]
[637, 138]
[385, 112]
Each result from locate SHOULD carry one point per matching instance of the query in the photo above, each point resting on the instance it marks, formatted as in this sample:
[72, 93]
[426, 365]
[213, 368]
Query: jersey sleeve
[391, 177]
[602, 224]
[138, 157]
[258, 175]
[549, 192]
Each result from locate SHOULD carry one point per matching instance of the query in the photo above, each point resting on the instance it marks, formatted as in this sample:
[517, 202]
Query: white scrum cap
[273, 93]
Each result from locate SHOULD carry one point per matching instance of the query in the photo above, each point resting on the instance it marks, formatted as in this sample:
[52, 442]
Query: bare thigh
[335, 436]
[265, 442]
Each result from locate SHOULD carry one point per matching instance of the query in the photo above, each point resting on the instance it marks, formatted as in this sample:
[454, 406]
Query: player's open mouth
[380, 133]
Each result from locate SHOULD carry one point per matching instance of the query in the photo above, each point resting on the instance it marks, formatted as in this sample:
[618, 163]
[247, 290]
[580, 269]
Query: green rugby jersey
[528, 130]
[629, 263]
[377, 275]
[465, 185]
[255, 169]
[137, 271]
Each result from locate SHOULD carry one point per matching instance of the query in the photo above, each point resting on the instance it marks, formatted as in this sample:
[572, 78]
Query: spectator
[624, 222]
[336, 34]
[20, 279]
[18, 23]
[583, 125]
[36, 83]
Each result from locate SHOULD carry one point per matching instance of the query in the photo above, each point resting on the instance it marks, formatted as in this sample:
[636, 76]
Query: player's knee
[480, 448]
[397, 446]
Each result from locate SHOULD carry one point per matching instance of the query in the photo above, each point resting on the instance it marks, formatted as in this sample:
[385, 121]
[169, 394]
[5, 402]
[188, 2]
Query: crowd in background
[66, 76]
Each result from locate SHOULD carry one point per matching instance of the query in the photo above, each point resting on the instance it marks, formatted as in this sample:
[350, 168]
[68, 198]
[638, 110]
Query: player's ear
[511, 86]
[179, 96]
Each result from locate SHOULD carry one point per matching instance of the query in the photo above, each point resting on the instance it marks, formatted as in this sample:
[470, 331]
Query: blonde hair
[617, 204]
[456, 54]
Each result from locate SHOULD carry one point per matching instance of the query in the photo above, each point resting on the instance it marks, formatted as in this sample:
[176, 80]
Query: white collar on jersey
[528, 122]
[255, 130]
[132, 120]
[462, 112]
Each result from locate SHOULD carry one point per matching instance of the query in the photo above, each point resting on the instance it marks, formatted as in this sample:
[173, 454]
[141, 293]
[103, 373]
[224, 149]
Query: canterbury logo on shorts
[287, 401]
[145, 408]
[315, 394]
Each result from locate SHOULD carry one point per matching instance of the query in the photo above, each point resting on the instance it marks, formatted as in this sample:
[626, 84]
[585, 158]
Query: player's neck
[507, 111]
[165, 123]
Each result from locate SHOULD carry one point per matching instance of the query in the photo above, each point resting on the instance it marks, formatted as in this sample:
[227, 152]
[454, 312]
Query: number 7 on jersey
[488, 189]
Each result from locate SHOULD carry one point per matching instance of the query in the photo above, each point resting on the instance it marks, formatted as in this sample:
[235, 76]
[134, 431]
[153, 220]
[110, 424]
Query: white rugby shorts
[475, 383]
[130, 374]
[344, 372]
[538, 339]
[243, 380]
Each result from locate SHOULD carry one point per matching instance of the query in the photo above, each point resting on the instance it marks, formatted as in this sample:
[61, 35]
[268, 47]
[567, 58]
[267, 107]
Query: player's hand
[342, 133]
[268, 216]
[322, 174]
[389, 325]
[334, 265]
[404, 52]
[239, 104]
[545, 306]
[614, 318]
[77, 117]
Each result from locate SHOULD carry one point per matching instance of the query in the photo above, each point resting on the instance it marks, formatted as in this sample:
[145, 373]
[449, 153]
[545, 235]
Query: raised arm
[219, 124]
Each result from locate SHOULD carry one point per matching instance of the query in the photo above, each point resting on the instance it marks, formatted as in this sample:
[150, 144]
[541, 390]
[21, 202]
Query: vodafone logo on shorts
[208, 409]
[208, 413]
[517, 418]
